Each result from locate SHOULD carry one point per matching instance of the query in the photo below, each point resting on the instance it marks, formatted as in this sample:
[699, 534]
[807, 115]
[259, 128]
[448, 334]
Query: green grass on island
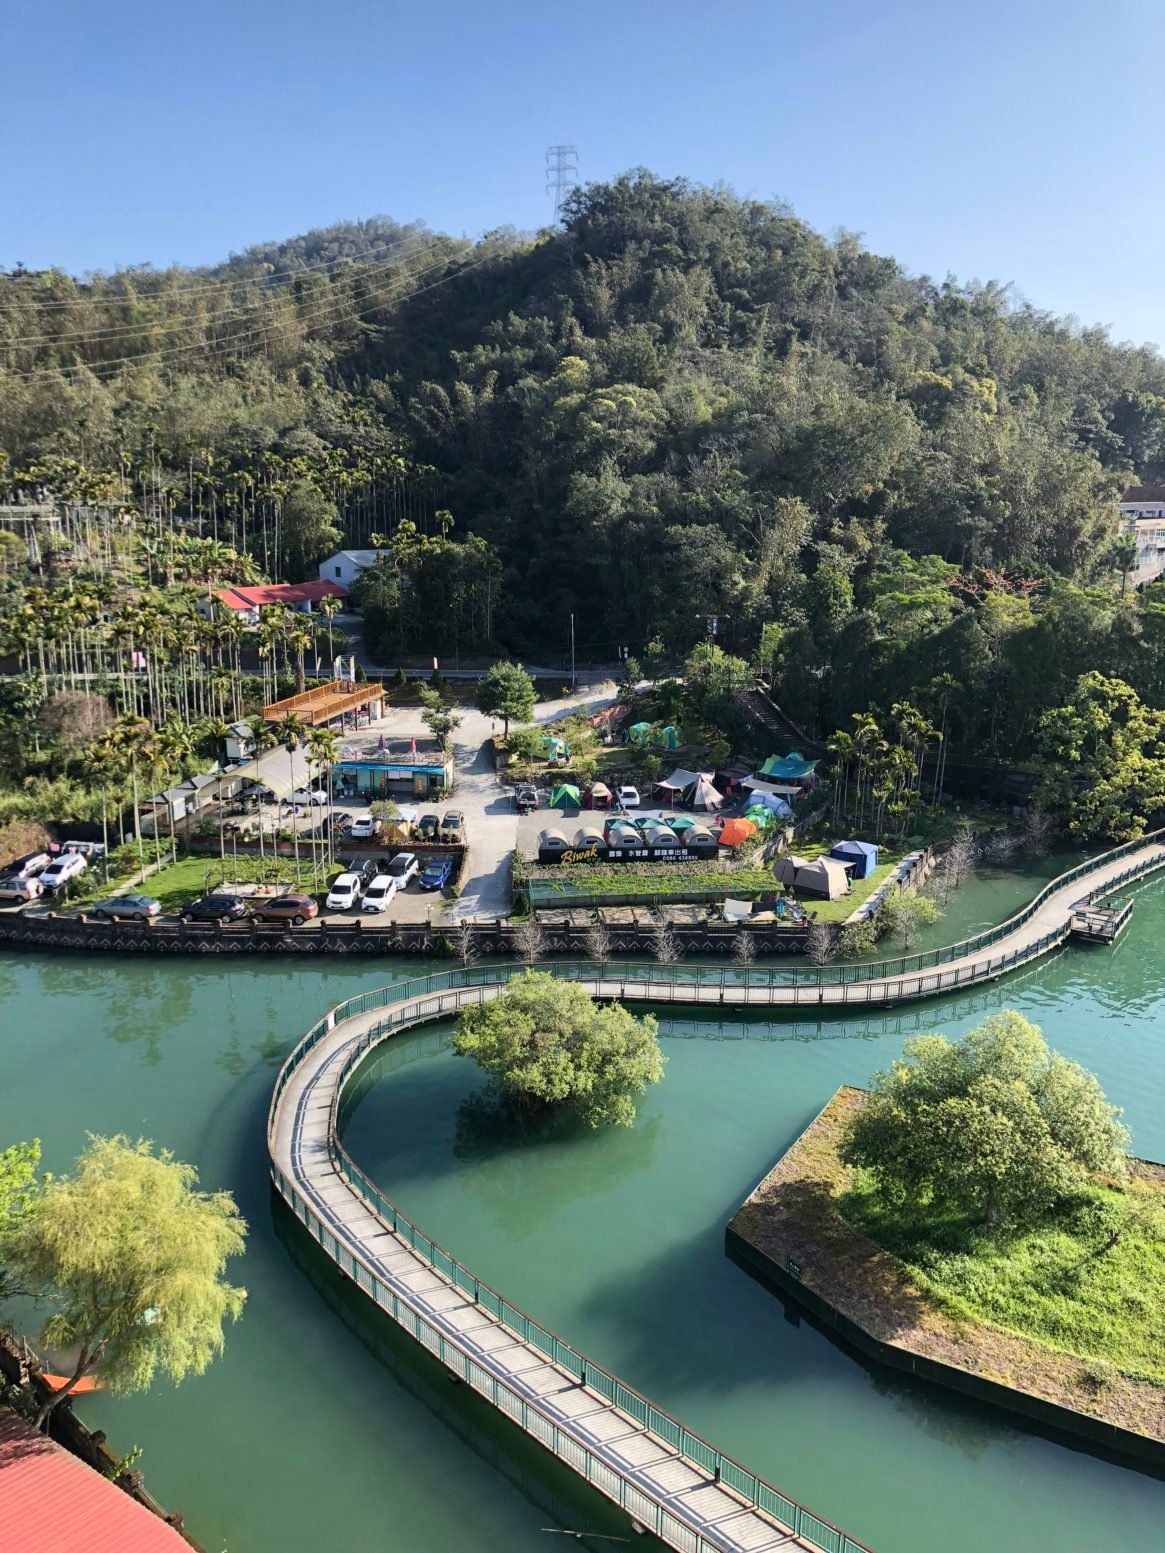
[1059, 1282]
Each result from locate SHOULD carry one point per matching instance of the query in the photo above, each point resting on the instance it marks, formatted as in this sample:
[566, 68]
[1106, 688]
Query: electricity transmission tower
[561, 174]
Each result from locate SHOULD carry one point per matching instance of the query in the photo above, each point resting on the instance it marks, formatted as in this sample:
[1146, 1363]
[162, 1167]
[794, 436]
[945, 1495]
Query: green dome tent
[563, 794]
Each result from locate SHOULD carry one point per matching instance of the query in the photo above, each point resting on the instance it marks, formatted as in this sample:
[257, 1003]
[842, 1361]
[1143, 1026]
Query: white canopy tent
[779, 789]
[679, 779]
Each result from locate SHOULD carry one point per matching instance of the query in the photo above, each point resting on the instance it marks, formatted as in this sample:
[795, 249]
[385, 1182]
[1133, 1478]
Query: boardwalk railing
[420, 1001]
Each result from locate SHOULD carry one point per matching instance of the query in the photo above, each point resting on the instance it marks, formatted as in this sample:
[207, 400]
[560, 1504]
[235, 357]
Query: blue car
[436, 874]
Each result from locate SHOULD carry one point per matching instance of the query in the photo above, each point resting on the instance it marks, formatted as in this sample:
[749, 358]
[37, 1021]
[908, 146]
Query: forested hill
[680, 404]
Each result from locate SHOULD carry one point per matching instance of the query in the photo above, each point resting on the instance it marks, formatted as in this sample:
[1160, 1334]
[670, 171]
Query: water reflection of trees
[530, 1164]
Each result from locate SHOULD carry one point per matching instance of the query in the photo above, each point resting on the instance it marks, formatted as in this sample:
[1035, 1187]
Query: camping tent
[791, 767]
[553, 749]
[563, 794]
[787, 867]
[736, 831]
[623, 834]
[661, 836]
[737, 911]
[702, 795]
[669, 738]
[826, 879]
[863, 855]
[637, 733]
[759, 815]
[772, 802]
[551, 841]
[600, 795]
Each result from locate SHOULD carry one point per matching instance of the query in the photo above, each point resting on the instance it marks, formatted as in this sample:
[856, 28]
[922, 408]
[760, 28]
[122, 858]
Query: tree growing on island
[1101, 761]
[131, 1257]
[820, 943]
[545, 1042]
[439, 715]
[598, 939]
[507, 691]
[994, 1126]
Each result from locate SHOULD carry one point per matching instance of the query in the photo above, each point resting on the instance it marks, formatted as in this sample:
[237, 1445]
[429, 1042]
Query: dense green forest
[678, 404]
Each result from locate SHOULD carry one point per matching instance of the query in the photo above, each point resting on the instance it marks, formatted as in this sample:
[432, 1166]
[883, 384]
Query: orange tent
[736, 831]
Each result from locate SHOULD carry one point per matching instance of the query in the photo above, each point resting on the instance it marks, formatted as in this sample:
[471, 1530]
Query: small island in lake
[974, 1218]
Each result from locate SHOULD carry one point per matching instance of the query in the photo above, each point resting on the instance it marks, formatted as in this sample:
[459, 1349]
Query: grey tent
[624, 835]
[826, 879]
[661, 836]
[551, 844]
[702, 795]
[589, 836]
[787, 867]
[698, 838]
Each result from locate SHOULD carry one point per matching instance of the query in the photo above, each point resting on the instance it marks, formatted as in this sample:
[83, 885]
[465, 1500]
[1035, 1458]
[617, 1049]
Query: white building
[347, 566]
[1143, 515]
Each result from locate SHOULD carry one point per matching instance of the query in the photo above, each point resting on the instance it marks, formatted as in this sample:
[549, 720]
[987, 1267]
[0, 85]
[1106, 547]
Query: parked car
[526, 798]
[310, 795]
[19, 889]
[345, 892]
[286, 908]
[134, 908]
[627, 797]
[57, 875]
[214, 908]
[378, 896]
[403, 867]
[365, 869]
[89, 849]
[30, 866]
[436, 873]
[364, 827]
[453, 826]
[429, 826]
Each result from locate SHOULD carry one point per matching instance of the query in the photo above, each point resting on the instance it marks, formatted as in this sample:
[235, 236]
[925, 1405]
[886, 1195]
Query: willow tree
[131, 1256]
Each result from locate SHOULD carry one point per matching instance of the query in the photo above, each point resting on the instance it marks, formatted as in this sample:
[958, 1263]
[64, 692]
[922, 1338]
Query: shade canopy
[736, 831]
[682, 822]
[779, 789]
[793, 766]
[679, 779]
[737, 911]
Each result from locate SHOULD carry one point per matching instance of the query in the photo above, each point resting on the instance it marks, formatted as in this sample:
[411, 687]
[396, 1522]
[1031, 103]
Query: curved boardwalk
[667, 1478]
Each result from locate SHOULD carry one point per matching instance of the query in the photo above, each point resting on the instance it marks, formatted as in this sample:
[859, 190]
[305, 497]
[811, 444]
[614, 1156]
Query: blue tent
[863, 853]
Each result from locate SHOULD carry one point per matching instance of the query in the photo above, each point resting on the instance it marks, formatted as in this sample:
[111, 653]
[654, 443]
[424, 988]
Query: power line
[224, 283]
[334, 313]
[113, 332]
[561, 175]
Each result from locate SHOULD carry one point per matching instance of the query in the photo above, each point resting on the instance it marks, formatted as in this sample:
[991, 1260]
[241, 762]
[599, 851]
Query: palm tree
[323, 745]
[330, 608]
[134, 738]
[102, 765]
[262, 738]
[299, 641]
[291, 730]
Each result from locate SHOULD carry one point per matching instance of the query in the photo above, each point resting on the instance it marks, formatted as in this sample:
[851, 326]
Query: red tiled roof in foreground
[52, 1503]
[280, 593]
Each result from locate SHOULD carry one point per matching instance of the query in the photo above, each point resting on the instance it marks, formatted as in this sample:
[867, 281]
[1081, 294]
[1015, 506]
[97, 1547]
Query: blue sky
[1019, 142]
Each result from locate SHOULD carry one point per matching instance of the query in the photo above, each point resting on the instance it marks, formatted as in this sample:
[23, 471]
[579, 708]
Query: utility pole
[561, 175]
[572, 649]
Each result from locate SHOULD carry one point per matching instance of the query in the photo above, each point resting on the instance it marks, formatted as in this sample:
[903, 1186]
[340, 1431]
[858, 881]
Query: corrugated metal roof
[50, 1502]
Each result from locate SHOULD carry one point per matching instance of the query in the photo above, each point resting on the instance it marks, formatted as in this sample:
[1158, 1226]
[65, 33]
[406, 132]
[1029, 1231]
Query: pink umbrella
[412, 746]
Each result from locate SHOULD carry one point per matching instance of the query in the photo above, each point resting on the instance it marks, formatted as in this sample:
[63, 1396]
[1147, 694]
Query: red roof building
[50, 1502]
[295, 595]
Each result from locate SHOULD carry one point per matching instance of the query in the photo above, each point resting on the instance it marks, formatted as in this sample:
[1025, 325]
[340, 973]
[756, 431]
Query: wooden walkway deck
[649, 1467]
[667, 1478]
